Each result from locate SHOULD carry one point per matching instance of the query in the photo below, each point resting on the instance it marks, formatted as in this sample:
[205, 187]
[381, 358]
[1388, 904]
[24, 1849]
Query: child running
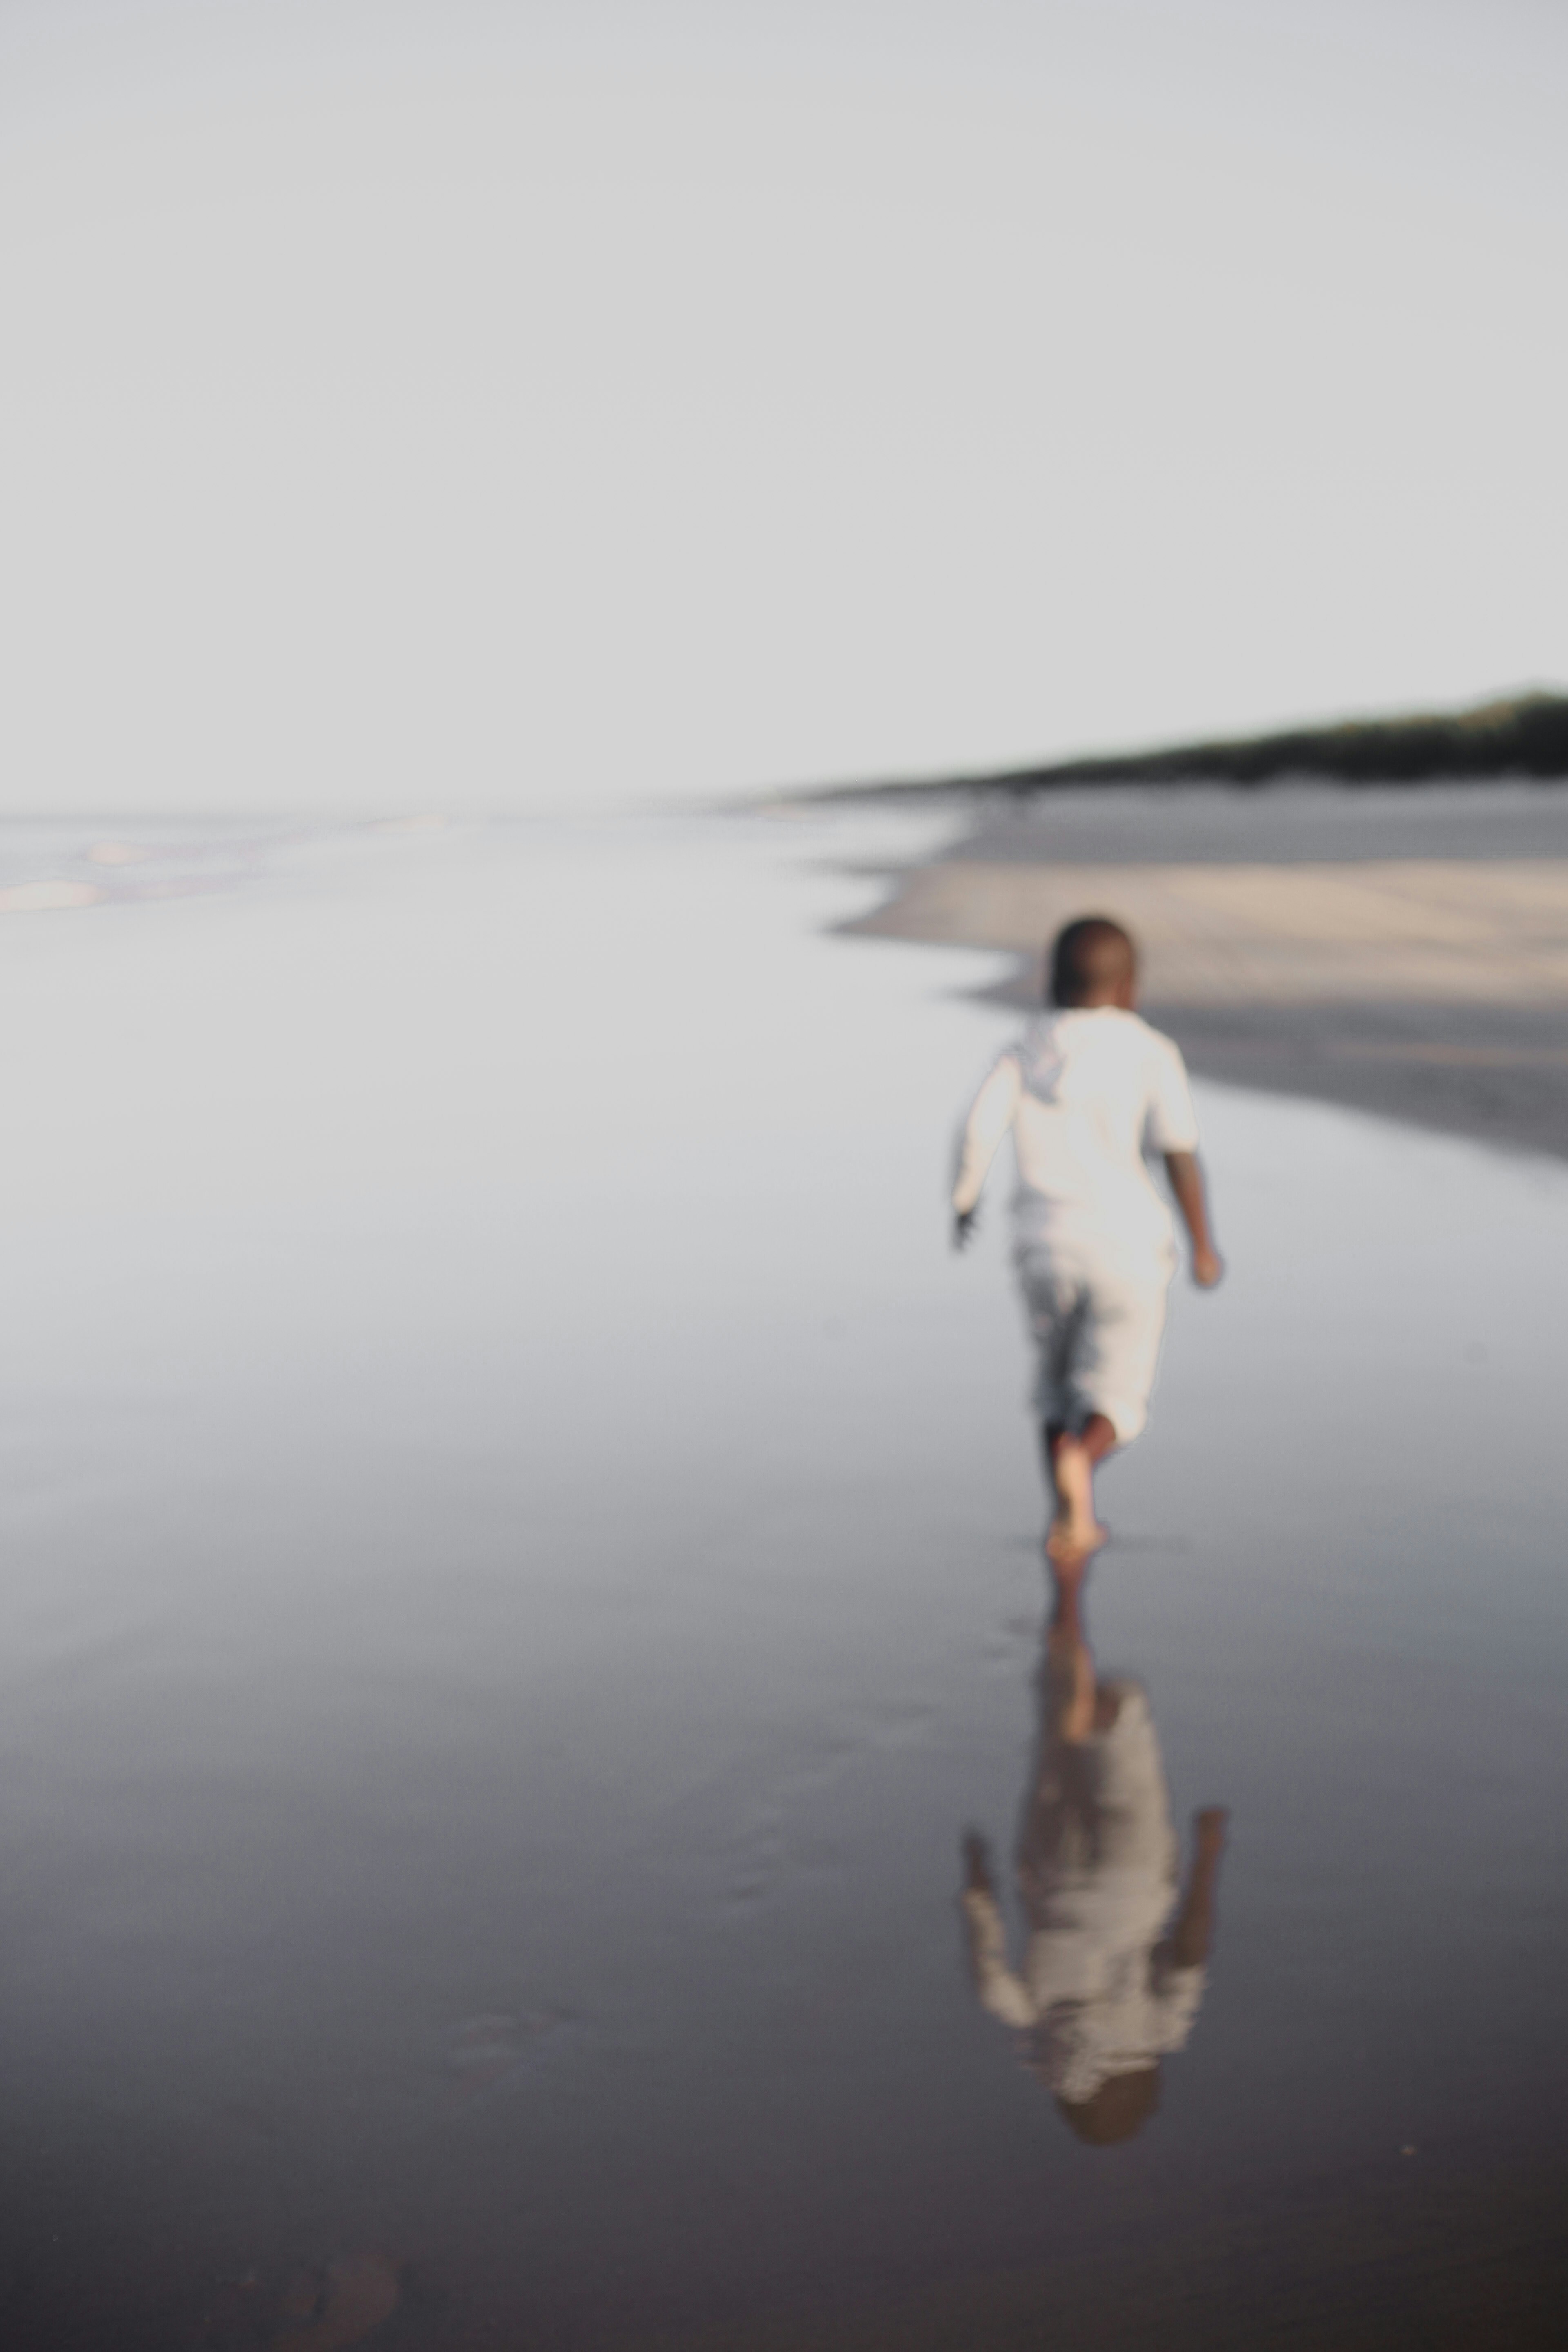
[1087, 1091]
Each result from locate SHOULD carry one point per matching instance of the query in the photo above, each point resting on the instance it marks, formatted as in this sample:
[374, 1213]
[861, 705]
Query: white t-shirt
[1086, 1092]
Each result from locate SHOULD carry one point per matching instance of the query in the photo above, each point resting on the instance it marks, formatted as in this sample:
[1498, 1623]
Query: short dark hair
[1086, 956]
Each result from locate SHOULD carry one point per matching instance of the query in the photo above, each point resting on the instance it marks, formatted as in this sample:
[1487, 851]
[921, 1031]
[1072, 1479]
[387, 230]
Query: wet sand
[522, 1568]
[1404, 951]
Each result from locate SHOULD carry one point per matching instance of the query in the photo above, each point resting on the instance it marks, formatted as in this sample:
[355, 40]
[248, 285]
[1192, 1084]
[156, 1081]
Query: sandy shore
[1405, 953]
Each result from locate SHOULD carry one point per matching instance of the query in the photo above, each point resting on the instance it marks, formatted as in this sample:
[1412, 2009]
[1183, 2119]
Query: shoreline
[1404, 953]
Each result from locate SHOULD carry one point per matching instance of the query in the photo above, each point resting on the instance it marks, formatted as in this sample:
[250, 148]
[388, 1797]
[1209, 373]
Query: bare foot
[1075, 1531]
[1070, 1540]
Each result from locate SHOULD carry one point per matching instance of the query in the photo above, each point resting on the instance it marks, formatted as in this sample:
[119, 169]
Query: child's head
[1093, 962]
[1117, 2110]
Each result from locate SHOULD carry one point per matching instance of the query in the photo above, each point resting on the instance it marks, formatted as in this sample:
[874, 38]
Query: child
[1115, 1966]
[1085, 1091]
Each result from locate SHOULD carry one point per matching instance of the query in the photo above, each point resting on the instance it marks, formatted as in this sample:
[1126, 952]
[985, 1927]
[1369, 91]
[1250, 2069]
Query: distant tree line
[1526, 735]
[1523, 735]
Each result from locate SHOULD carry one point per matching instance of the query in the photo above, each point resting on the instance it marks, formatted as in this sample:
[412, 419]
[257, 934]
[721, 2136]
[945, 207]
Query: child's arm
[1187, 1183]
[1003, 1993]
[1191, 1933]
[988, 1122]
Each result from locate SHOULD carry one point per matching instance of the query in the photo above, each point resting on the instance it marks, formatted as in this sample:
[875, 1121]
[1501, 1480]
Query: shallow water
[522, 1565]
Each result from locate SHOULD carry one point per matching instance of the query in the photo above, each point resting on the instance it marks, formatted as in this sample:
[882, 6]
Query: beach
[1404, 950]
[523, 1566]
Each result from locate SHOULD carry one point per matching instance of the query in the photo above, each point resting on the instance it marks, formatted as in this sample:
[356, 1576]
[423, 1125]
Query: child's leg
[1073, 1455]
[1053, 1304]
[1116, 1347]
[1074, 1436]
[1061, 1308]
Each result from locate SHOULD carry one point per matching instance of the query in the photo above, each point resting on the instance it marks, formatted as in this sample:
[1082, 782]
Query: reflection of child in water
[1111, 1983]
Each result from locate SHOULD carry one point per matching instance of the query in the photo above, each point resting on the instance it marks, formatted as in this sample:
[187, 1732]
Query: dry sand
[1304, 959]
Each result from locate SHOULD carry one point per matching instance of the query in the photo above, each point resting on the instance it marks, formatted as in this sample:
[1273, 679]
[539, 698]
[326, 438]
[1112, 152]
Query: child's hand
[1208, 1268]
[964, 1224]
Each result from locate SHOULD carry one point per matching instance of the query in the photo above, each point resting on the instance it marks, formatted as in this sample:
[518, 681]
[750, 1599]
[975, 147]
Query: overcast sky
[470, 404]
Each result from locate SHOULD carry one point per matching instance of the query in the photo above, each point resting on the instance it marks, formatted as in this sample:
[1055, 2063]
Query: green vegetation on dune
[1524, 735]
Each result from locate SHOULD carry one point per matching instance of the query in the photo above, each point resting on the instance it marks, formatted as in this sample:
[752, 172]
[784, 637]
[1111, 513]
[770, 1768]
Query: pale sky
[465, 404]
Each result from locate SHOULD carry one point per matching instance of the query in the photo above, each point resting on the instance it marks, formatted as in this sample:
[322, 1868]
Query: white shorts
[1097, 1330]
